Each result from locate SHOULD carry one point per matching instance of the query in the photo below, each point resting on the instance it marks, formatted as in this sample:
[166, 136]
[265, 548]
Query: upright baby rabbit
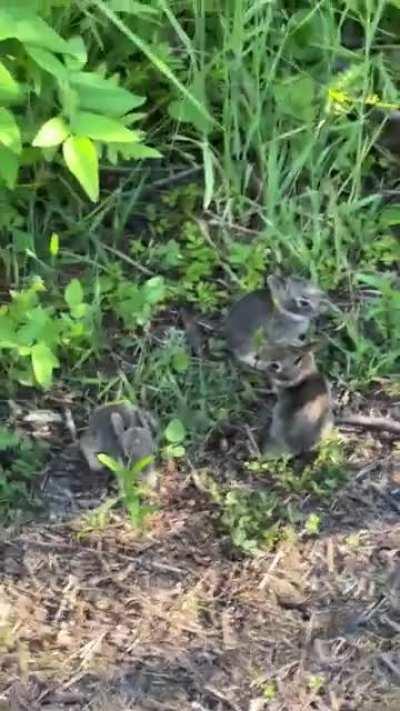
[125, 433]
[302, 414]
[279, 314]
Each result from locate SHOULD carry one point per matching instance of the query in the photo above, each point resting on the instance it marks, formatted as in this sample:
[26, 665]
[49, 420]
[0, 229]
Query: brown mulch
[103, 618]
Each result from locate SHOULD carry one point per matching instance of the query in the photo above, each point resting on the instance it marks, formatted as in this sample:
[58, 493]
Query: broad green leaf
[78, 58]
[10, 91]
[296, 97]
[47, 61]
[52, 133]
[69, 100]
[39, 327]
[132, 7]
[43, 363]
[390, 215]
[10, 135]
[98, 94]
[81, 159]
[102, 128]
[138, 151]
[54, 244]
[130, 151]
[7, 332]
[27, 5]
[30, 29]
[74, 293]
[9, 166]
[175, 431]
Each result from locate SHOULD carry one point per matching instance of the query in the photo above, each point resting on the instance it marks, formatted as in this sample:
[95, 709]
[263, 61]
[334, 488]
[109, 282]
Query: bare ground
[103, 618]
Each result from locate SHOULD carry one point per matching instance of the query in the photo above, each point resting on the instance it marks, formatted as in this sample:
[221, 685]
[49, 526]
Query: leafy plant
[321, 477]
[251, 518]
[21, 460]
[71, 108]
[133, 303]
[131, 491]
[175, 434]
[32, 334]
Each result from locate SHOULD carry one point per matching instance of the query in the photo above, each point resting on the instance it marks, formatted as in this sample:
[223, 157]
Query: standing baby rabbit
[279, 314]
[125, 433]
[302, 414]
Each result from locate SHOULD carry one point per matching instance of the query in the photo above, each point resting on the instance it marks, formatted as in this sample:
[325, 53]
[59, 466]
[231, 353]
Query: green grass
[291, 175]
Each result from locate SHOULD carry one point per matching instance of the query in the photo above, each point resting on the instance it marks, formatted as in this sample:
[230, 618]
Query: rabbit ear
[147, 420]
[127, 440]
[276, 283]
[117, 424]
[137, 442]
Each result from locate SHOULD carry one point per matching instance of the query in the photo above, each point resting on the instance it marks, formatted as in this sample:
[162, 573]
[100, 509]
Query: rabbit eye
[275, 367]
[303, 303]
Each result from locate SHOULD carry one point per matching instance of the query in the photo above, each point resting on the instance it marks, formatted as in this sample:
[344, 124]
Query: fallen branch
[374, 423]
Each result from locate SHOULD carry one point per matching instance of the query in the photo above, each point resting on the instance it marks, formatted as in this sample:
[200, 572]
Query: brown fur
[302, 414]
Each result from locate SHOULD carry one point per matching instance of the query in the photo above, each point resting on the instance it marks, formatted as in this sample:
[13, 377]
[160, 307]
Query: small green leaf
[52, 133]
[79, 311]
[110, 463]
[74, 293]
[81, 159]
[313, 524]
[47, 61]
[173, 451]
[9, 166]
[180, 361]
[175, 431]
[43, 363]
[54, 245]
[10, 135]
[102, 128]
[154, 290]
[10, 90]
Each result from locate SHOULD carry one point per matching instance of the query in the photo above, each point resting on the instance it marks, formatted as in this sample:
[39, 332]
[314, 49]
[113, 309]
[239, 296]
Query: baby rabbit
[125, 433]
[302, 414]
[279, 314]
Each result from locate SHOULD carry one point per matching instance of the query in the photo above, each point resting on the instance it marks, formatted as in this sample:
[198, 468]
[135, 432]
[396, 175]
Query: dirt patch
[99, 619]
